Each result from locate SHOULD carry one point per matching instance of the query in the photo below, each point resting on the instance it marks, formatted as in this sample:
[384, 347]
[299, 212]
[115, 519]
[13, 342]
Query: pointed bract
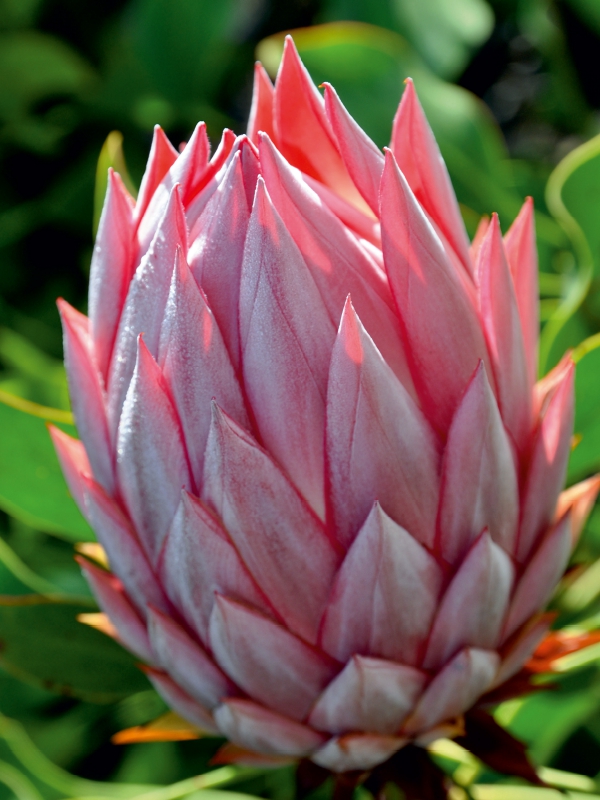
[111, 269]
[394, 572]
[145, 304]
[281, 541]
[479, 477]
[216, 254]
[124, 551]
[261, 111]
[338, 263]
[283, 323]
[363, 159]
[87, 393]
[253, 726]
[198, 562]
[437, 314]
[379, 445]
[266, 661]
[473, 607]
[187, 661]
[521, 252]
[419, 158]
[73, 462]
[195, 364]
[370, 694]
[302, 130]
[152, 465]
[500, 316]
[111, 596]
[548, 463]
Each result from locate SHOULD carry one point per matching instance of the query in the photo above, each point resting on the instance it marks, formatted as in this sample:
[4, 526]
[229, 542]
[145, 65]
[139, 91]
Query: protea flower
[312, 441]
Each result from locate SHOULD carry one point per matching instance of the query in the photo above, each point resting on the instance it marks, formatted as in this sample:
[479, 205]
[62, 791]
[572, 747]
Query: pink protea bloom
[312, 441]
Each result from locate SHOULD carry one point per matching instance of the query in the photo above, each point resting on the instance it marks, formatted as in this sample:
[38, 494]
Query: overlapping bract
[312, 444]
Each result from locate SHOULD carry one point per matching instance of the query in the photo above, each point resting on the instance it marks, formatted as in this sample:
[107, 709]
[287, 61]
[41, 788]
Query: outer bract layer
[312, 444]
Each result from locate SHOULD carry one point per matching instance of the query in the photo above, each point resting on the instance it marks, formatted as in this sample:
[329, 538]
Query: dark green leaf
[42, 641]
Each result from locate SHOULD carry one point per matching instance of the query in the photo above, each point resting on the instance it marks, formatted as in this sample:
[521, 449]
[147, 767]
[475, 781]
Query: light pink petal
[152, 465]
[384, 596]
[162, 157]
[191, 171]
[480, 233]
[437, 314]
[108, 591]
[255, 727]
[363, 159]
[479, 479]
[544, 389]
[223, 150]
[521, 647]
[541, 576]
[358, 751]
[281, 541]
[285, 338]
[187, 661]
[265, 660]
[370, 694]
[474, 605]
[196, 364]
[548, 464]
[338, 263]
[362, 225]
[111, 269]
[302, 130]
[73, 462]
[419, 158]
[579, 500]
[125, 554]
[198, 562]
[521, 252]
[454, 690]
[216, 254]
[87, 393]
[180, 701]
[261, 111]
[379, 444]
[504, 336]
[145, 305]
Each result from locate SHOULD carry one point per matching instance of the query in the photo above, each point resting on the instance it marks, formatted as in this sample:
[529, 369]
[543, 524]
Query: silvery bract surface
[312, 441]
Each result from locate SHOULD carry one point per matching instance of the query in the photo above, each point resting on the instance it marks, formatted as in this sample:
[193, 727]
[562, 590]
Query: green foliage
[32, 486]
[43, 642]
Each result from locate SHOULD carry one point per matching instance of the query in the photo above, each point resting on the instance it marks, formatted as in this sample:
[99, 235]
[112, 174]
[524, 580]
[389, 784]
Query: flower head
[312, 441]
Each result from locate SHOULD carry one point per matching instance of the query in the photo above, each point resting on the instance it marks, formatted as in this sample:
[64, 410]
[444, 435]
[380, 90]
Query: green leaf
[585, 457]
[43, 642]
[444, 32]
[32, 487]
[31, 373]
[33, 66]
[503, 792]
[589, 11]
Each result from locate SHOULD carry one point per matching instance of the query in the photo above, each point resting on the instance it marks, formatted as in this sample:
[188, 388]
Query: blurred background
[511, 87]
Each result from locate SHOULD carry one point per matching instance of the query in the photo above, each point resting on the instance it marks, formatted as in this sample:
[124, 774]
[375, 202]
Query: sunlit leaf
[444, 32]
[32, 487]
